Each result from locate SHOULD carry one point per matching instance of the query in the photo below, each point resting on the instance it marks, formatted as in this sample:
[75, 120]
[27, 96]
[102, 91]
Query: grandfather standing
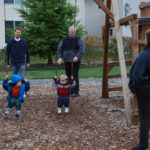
[70, 49]
[17, 49]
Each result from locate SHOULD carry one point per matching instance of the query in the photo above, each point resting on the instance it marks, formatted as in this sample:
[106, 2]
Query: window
[9, 29]
[18, 1]
[13, 1]
[9, 1]
[111, 32]
[17, 23]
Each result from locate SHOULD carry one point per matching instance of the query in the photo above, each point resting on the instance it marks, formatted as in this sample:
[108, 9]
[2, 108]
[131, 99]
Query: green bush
[2, 57]
[127, 45]
[93, 49]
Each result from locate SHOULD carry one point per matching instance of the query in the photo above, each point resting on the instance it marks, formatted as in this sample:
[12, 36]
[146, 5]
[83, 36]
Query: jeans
[68, 69]
[19, 68]
[14, 102]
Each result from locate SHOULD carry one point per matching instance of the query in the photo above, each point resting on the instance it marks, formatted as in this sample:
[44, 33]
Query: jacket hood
[16, 78]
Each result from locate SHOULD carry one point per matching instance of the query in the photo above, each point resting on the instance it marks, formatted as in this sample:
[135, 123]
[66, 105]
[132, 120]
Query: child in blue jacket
[16, 89]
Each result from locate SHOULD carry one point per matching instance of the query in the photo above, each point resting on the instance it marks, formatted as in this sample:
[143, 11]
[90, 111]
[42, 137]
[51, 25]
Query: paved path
[83, 81]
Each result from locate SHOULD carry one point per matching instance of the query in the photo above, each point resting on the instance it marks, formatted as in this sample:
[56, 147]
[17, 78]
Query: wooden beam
[134, 111]
[104, 8]
[134, 31]
[142, 42]
[109, 69]
[144, 23]
[115, 76]
[122, 63]
[125, 21]
[144, 4]
[116, 63]
[115, 89]
[105, 93]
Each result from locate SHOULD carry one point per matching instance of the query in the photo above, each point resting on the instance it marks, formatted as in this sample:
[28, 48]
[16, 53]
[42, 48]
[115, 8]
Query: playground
[93, 123]
[104, 114]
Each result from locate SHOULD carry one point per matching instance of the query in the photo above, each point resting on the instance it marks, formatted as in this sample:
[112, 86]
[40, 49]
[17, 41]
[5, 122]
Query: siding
[2, 26]
[94, 18]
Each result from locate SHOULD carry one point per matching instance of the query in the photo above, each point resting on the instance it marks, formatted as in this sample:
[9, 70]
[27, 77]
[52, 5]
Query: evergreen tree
[46, 23]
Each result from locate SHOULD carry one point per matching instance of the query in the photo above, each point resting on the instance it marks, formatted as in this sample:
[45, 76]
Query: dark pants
[68, 69]
[64, 100]
[14, 102]
[144, 118]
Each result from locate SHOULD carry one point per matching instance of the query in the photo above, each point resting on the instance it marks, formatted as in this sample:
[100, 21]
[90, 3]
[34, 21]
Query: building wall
[2, 26]
[93, 18]
[12, 13]
[80, 5]
[8, 13]
[134, 10]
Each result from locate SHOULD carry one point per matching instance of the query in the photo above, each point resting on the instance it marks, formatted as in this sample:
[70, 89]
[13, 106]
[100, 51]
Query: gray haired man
[71, 49]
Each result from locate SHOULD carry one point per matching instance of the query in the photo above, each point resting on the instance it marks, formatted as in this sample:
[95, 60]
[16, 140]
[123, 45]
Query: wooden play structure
[138, 27]
[115, 18]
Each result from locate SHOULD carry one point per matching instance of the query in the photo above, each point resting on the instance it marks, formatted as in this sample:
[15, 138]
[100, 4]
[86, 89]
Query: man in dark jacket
[17, 49]
[71, 48]
[139, 84]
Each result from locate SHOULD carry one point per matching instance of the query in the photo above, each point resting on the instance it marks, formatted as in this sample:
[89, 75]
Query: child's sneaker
[25, 94]
[17, 113]
[66, 110]
[8, 111]
[59, 111]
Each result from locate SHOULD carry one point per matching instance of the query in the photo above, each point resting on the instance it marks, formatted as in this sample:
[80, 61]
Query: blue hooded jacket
[8, 86]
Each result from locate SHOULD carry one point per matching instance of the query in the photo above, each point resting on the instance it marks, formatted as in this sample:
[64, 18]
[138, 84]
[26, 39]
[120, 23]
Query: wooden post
[105, 93]
[134, 31]
[122, 63]
[135, 50]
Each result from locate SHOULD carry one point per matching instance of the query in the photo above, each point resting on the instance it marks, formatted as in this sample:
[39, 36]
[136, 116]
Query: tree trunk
[50, 60]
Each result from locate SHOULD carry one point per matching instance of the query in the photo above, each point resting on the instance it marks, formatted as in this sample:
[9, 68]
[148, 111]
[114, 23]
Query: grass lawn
[84, 72]
[45, 72]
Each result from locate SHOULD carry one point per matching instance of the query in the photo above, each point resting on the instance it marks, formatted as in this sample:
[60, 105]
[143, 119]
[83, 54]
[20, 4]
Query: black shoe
[17, 115]
[74, 95]
[138, 148]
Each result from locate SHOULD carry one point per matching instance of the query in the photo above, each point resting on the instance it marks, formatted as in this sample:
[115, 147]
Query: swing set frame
[114, 16]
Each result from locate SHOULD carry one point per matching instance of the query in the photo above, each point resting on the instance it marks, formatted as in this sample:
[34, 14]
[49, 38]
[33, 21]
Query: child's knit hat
[16, 78]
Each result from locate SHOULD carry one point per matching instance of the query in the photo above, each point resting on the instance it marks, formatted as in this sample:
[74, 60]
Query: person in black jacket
[139, 84]
[71, 49]
[18, 50]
